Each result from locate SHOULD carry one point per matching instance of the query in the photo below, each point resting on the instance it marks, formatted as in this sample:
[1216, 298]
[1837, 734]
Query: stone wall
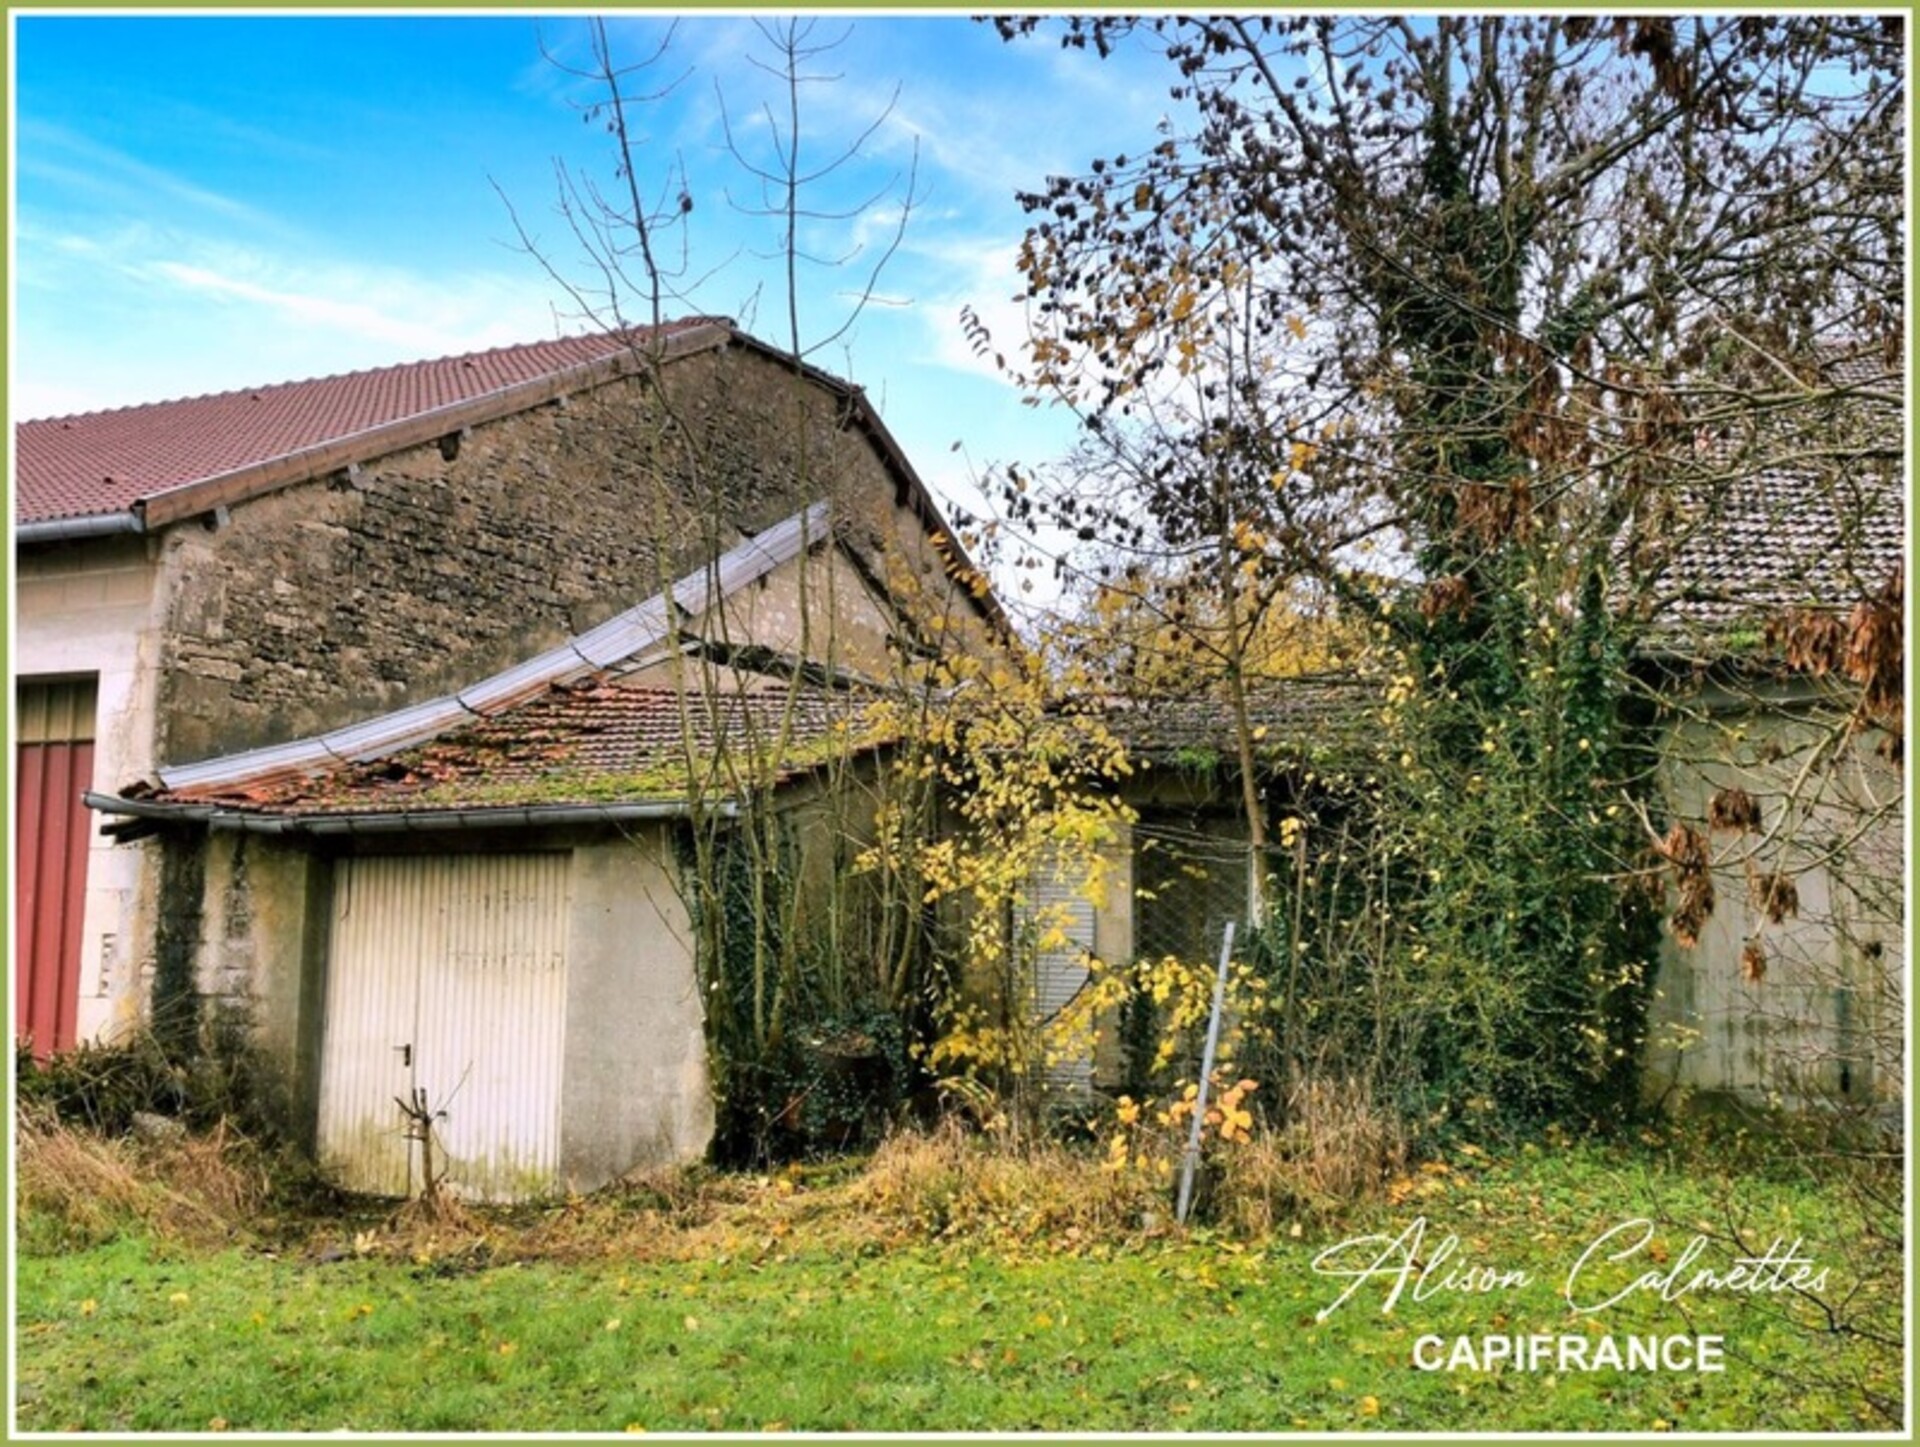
[341, 598]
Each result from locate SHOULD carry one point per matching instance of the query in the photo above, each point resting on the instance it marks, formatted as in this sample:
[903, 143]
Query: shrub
[1337, 1146]
[102, 1087]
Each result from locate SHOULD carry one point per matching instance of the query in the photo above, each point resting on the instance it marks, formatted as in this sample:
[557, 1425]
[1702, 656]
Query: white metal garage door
[446, 984]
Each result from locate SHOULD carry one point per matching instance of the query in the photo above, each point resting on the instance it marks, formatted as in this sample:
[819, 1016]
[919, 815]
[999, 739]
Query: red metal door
[54, 758]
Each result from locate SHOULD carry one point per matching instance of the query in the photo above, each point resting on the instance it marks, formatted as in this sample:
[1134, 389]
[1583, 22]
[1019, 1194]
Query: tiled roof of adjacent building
[1860, 364]
[107, 462]
[1808, 512]
[1290, 718]
[1785, 539]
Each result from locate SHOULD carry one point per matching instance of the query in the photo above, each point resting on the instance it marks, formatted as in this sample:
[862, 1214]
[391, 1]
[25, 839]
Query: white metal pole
[1206, 1071]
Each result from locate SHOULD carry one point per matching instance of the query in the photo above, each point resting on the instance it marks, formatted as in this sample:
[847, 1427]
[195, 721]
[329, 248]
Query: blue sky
[208, 202]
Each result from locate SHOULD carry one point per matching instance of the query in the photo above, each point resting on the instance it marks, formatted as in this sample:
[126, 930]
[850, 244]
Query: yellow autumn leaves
[1147, 1138]
[1031, 786]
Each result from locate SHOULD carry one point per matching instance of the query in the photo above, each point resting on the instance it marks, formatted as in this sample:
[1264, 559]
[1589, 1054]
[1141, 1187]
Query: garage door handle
[406, 1054]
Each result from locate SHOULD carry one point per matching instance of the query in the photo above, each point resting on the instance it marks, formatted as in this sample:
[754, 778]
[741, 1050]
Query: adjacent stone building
[1775, 653]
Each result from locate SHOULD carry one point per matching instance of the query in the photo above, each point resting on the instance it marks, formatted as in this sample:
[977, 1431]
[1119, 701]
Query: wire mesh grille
[1187, 884]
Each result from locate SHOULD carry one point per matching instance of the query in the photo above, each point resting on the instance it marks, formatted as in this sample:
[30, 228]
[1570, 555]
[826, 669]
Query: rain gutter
[398, 821]
[61, 530]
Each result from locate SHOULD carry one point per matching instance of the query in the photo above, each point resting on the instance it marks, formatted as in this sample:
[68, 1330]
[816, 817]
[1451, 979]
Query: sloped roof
[1784, 539]
[109, 462]
[1806, 511]
[552, 738]
[145, 466]
[597, 741]
[1861, 365]
[589, 742]
[625, 637]
[1290, 718]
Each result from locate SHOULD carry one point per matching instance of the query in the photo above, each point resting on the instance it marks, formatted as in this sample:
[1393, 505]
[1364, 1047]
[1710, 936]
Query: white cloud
[418, 335]
[196, 313]
[51, 153]
[982, 276]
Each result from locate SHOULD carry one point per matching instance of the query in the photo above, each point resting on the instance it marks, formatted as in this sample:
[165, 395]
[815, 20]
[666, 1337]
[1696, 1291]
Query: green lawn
[822, 1328]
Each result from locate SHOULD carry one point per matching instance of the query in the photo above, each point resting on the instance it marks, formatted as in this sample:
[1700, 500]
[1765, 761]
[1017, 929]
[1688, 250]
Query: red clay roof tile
[103, 462]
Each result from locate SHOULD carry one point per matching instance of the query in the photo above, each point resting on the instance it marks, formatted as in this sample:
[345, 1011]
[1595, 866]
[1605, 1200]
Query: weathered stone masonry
[414, 574]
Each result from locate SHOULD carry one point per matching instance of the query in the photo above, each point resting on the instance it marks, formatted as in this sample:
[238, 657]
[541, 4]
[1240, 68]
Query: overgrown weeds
[102, 1087]
[949, 1182]
[1337, 1149]
[224, 1081]
[78, 1188]
[1332, 1154]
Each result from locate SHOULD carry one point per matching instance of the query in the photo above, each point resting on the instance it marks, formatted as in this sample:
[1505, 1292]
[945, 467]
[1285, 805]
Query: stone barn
[376, 680]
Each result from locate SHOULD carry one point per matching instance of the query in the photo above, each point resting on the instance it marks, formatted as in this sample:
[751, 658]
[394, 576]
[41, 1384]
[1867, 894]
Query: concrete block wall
[1821, 1023]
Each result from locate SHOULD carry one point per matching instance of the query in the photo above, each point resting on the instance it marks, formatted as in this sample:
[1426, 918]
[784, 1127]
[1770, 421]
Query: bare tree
[791, 946]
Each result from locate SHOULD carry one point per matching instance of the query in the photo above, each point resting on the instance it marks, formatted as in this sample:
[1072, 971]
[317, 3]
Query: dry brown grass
[949, 1182]
[1336, 1148]
[948, 1185]
[434, 1214]
[665, 1213]
[77, 1188]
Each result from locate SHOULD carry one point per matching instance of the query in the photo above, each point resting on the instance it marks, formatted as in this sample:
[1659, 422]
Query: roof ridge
[666, 328]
